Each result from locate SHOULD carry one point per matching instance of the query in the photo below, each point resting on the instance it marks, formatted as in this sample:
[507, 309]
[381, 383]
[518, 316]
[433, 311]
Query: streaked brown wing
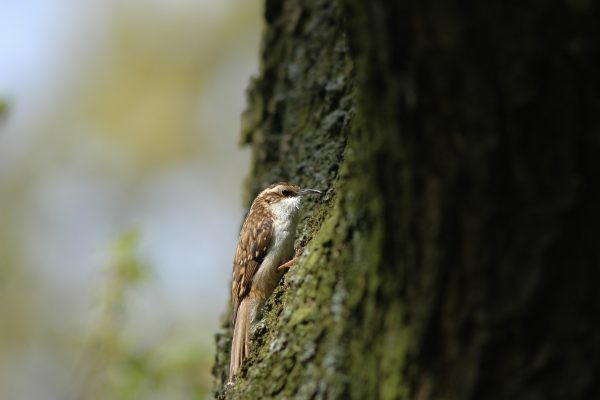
[251, 250]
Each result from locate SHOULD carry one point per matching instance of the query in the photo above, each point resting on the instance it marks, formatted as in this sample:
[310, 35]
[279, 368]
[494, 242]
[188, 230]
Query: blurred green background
[120, 192]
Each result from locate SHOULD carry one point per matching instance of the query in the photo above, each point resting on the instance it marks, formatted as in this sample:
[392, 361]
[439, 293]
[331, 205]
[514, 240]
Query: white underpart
[285, 219]
[286, 208]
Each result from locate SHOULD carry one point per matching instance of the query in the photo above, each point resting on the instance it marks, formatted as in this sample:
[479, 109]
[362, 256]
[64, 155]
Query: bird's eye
[287, 193]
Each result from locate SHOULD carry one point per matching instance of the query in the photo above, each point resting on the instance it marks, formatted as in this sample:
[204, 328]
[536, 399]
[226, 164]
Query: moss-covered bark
[299, 115]
[457, 254]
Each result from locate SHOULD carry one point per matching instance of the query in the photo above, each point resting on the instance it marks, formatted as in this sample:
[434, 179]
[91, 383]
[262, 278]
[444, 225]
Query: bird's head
[283, 199]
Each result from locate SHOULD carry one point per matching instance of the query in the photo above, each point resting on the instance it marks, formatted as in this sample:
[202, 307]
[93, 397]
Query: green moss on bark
[298, 119]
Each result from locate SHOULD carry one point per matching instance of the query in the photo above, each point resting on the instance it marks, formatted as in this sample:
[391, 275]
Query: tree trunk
[457, 253]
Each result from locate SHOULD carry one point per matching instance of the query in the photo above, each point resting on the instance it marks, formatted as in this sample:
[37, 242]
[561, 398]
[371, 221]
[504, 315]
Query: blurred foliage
[16, 327]
[3, 108]
[110, 108]
[114, 367]
[145, 98]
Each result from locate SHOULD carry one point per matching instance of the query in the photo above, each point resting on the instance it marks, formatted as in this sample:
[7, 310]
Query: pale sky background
[120, 114]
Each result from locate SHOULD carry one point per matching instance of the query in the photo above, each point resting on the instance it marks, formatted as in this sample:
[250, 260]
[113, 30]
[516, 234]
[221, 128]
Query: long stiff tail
[241, 331]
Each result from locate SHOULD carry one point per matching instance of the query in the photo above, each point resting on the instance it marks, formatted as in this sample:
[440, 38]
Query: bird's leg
[292, 262]
[287, 265]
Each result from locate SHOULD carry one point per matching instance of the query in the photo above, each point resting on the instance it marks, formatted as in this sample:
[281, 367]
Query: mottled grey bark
[458, 254]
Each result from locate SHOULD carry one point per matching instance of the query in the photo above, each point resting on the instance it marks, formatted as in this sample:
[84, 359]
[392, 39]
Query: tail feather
[241, 331]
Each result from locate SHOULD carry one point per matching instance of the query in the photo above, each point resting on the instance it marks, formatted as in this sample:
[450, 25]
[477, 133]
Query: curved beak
[304, 192]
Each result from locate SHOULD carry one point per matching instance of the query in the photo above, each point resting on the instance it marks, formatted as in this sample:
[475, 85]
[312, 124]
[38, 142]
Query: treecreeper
[264, 251]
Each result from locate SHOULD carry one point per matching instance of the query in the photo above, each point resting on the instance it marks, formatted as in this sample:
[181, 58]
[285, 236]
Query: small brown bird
[263, 252]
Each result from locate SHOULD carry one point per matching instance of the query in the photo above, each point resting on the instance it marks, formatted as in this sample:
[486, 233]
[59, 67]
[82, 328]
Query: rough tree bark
[457, 254]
